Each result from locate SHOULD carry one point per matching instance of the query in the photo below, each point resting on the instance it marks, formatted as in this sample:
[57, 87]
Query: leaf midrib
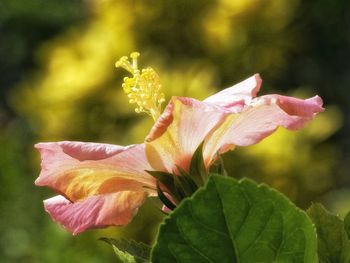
[226, 224]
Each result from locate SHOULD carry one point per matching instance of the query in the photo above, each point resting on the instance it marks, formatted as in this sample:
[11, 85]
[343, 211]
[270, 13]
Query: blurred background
[58, 82]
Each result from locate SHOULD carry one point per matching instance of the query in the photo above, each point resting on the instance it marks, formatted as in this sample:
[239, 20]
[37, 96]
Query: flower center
[143, 88]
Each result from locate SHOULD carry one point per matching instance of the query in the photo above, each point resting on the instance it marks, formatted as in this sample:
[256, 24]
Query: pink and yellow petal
[237, 96]
[78, 170]
[294, 106]
[259, 120]
[179, 131]
[96, 211]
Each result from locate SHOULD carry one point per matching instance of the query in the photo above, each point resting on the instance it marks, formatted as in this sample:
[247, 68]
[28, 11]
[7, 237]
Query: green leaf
[165, 200]
[231, 221]
[186, 182]
[178, 186]
[333, 241]
[168, 180]
[197, 168]
[218, 167]
[129, 251]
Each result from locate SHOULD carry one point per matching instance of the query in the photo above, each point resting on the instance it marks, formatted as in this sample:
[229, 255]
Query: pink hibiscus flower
[101, 185]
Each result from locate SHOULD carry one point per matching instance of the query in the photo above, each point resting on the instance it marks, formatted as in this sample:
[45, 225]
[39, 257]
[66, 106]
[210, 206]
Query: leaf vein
[259, 235]
[226, 224]
[206, 226]
[191, 245]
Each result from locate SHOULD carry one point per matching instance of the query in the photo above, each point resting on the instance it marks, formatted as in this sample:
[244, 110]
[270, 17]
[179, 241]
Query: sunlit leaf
[129, 251]
[231, 221]
[333, 241]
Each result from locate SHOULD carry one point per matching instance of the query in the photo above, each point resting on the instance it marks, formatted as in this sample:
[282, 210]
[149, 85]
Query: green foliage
[218, 167]
[197, 168]
[333, 239]
[164, 199]
[231, 221]
[168, 181]
[185, 183]
[129, 251]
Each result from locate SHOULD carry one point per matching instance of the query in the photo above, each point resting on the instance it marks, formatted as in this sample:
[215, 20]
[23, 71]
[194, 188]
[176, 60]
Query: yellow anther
[123, 62]
[134, 55]
[143, 88]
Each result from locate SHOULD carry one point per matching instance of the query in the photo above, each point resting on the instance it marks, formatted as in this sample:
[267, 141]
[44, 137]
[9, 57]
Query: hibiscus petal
[295, 106]
[78, 170]
[259, 120]
[235, 97]
[179, 131]
[95, 211]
